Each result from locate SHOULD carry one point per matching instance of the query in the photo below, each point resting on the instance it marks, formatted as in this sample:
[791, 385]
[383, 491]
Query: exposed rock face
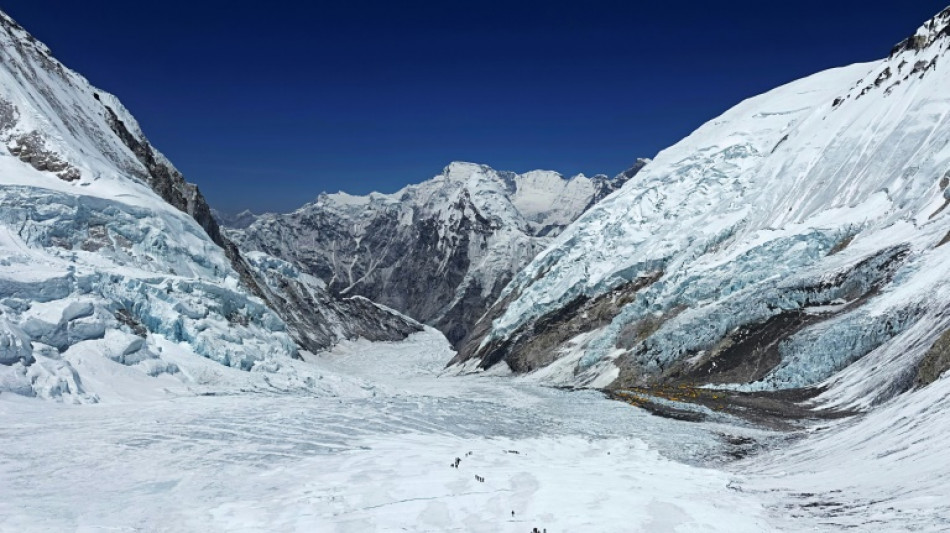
[323, 319]
[106, 251]
[935, 362]
[30, 149]
[927, 35]
[440, 251]
[536, 347]
[798, 240]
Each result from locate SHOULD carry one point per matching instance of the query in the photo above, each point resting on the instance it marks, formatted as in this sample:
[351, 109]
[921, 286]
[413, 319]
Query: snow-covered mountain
[796, 240]
[109, 259]
[234, 220]
[799, 239]
[440, 251]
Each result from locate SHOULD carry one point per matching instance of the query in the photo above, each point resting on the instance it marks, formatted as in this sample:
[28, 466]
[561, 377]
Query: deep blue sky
[265, 107]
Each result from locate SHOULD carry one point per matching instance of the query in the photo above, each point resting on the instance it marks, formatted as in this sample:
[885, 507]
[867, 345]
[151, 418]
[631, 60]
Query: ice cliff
[105, 249]
[796, 240]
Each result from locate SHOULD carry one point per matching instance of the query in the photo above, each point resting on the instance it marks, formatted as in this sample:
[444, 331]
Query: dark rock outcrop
[101, 128]
[442, 251]
[935, 362]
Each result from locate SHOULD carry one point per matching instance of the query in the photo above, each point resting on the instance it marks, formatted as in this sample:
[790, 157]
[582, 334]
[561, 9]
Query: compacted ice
[370, 452]
[821, 201]
[372, 448]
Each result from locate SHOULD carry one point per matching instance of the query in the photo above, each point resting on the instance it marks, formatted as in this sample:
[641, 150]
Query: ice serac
[796, 240]
[440, 251]
[109, 257]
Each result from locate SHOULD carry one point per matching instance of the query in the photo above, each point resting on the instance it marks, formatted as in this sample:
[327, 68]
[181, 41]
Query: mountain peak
[464, 169]
[20, 34]
[235, 220]
[935, 29]
[457, 238]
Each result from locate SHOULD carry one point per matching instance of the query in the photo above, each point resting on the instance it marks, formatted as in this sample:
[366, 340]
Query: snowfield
[369, 456]
[372, 452]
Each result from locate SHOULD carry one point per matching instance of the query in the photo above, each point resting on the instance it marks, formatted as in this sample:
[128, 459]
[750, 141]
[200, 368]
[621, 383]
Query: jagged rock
[237, 221]
[322, 319]
[440, 251]
[31, 148]
[935, 362]
[133, 251]
[933, 30]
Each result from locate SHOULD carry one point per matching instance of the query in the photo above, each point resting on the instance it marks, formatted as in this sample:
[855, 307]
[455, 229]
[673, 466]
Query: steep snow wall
[106, 250]
[796, 234]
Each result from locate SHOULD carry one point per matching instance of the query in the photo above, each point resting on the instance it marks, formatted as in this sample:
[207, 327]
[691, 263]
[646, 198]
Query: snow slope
[885, 471]
[107, 255]
[370, 458]
[370, 449]
[439, 251]
[797, 234]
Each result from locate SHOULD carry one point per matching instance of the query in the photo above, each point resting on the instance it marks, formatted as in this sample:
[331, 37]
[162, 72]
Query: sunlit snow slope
[110, 263]
[795, 239]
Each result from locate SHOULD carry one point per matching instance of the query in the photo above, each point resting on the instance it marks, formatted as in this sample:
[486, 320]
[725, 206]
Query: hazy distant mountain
[234, 220]
[440, 251]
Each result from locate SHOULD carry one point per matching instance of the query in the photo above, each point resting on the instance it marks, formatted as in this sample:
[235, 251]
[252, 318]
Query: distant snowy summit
[239, 220]
[440, 251]
[797, 240]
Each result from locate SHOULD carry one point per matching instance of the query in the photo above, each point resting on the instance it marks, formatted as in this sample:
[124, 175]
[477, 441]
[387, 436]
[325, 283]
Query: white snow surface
[371, 451]
[527, 202]
[884, 471]
[763, 210]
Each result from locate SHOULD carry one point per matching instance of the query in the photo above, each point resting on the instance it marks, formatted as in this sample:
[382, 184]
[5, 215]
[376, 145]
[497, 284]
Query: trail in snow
[374, 460]
[373, 452]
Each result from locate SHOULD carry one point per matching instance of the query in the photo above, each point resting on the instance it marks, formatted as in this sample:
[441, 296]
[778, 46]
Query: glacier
[82, 270]
[108, 255]
[820, 203]
[796, 241]
[372, 448]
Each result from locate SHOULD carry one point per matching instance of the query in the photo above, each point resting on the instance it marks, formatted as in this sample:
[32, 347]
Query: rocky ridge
[109, 257]
[439, 251]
